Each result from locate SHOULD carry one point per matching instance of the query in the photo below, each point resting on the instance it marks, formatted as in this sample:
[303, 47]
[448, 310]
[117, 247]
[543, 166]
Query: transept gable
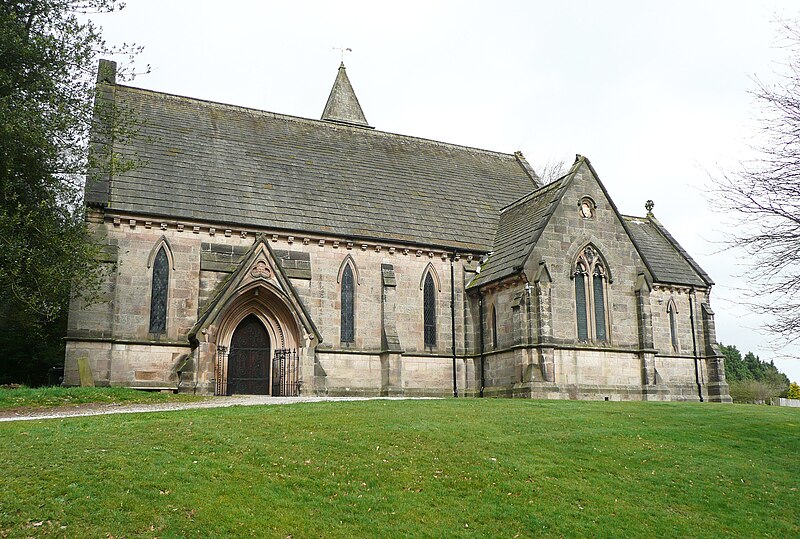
[585, 217]
[571, 204]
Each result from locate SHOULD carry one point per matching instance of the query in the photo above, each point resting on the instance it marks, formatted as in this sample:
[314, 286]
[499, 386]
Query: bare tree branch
[764, 197]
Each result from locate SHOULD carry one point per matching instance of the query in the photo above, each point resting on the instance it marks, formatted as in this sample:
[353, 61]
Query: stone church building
[254, 252]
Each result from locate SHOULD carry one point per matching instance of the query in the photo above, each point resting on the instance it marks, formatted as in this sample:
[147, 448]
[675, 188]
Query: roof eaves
[479, 281]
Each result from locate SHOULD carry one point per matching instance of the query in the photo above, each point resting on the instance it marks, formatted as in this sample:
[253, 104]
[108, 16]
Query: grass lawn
[467, 467]
[46, 397]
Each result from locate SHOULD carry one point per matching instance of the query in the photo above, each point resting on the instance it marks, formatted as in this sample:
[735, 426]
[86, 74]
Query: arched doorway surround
[258, 317]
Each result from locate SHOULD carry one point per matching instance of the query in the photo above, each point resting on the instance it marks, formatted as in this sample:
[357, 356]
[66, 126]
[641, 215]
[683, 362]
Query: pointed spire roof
[342, 106]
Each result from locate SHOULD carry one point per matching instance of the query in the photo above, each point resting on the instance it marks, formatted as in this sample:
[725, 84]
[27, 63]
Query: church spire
[342, 106]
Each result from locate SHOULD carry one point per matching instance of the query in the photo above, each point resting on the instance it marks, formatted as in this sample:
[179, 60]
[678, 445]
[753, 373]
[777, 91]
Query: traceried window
[158, 293]
[348, 304]
[429, 307]
[590, 296]
[673, 329]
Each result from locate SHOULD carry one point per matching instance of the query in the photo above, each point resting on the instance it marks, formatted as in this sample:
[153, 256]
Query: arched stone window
[493, 316]
[591, 284]
[673, 328]
[429, 308]
[348, 305]
[159, 292]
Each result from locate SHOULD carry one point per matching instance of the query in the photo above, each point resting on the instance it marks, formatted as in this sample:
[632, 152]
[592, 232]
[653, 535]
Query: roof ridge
[321, 123]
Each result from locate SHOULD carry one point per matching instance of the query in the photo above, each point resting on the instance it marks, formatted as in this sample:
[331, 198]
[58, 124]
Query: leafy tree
[47, 58]
[750, 379]
[764, 195]
[794, 391]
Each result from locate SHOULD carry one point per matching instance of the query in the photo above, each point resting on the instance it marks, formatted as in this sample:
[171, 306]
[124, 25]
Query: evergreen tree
[735, 369]
[750, 379]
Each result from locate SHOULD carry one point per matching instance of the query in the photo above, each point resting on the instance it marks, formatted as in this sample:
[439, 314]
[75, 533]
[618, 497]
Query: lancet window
[429, 308]
[673, 329]
[348, 304]
[494, 327]
[159, 292]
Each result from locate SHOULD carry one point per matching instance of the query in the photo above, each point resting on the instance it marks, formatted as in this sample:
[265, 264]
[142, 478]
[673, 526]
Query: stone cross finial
[649, 205]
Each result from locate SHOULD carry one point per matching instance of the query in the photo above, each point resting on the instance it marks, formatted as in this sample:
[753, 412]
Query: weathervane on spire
[343, 50]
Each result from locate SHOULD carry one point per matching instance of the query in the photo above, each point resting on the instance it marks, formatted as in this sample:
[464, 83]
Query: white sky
[655, 95]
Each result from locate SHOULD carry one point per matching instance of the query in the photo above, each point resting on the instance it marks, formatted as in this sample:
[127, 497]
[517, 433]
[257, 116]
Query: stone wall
[536, 352]
[202, 259]
[559, 245]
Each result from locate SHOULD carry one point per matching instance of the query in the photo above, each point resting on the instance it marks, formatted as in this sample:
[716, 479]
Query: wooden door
[249, 359]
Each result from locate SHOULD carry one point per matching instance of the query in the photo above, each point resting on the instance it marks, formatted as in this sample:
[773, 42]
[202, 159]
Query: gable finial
[649, 205]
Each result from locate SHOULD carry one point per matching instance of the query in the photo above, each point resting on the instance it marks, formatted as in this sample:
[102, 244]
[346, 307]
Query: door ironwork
[285, 373]
[248, 359]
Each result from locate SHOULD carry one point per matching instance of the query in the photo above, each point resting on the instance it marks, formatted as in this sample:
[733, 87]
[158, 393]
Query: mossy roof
[218, 163]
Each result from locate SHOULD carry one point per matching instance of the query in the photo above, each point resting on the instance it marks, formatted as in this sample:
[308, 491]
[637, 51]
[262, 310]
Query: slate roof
[522, 222]
[212, 162]
[666, 260]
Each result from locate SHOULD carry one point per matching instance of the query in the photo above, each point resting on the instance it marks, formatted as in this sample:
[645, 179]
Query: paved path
[83, 410]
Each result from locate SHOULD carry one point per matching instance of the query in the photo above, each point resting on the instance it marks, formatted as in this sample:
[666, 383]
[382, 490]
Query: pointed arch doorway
[257, 343]
[249, 359]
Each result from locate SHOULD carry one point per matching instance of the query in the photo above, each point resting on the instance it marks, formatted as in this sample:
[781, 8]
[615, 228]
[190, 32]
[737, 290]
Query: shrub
[753, 391]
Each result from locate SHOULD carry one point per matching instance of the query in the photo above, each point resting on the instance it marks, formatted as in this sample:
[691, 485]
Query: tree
[794, 391]
[749, 378]
[48, 50]
[764, 195]
[552, 171]
[735, 369]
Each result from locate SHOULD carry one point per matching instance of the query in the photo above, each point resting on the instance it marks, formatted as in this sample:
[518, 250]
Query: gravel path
[83, 410]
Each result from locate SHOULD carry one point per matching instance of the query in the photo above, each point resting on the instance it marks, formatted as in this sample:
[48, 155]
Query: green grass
[46, 397]
[468, 467]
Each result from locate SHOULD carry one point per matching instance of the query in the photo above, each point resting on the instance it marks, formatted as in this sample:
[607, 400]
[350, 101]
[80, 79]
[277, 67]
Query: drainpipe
[694, 347]
[453, 319]
[480, 326]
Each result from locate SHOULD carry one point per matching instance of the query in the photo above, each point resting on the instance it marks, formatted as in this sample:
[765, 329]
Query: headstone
[85, 371]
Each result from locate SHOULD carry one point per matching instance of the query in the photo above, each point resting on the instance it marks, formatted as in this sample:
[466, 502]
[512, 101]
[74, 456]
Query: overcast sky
[655, 95]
